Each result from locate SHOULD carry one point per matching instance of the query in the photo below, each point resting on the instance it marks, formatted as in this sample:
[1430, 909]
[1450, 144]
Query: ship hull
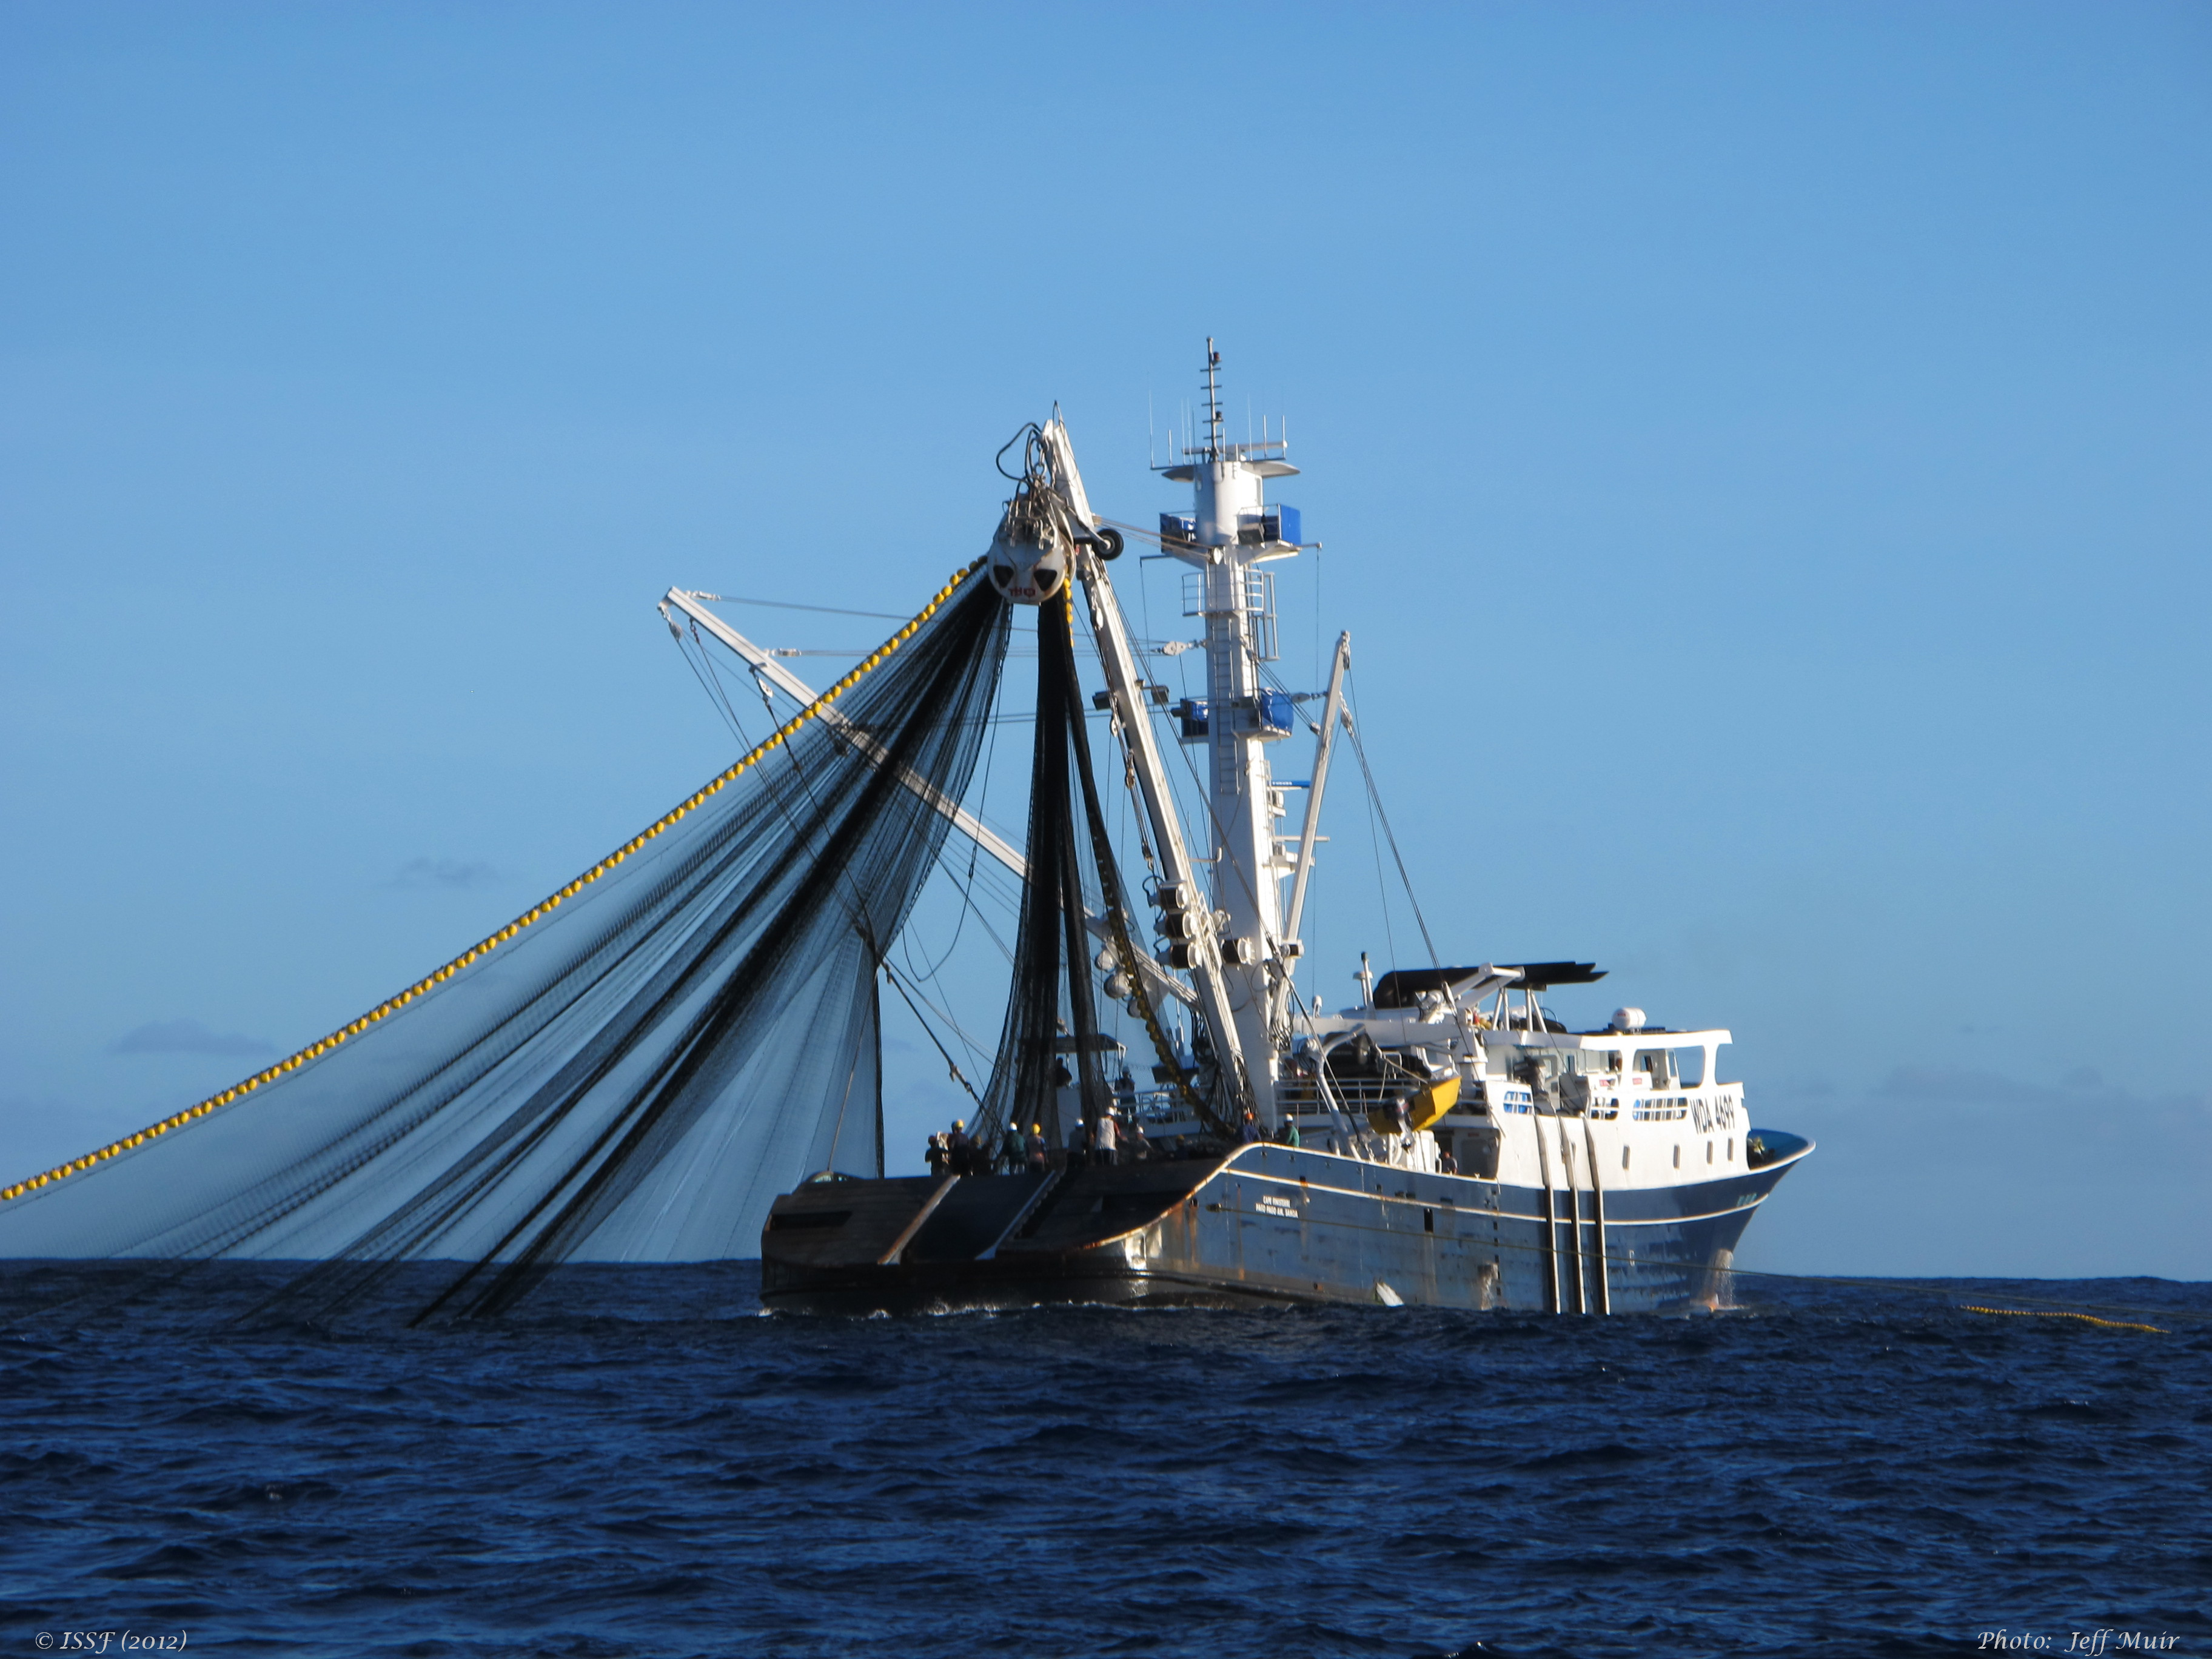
[1267, 1224]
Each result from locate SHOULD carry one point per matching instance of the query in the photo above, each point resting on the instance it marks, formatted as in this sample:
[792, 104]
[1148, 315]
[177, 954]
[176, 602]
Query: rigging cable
[975, 851]
[787, 604]
[713, 687]
[950, 1063]
[768, 690]
[1376, 796]
[1381, 885]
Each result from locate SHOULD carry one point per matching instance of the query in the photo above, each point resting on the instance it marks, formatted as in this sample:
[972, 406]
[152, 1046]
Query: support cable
[951, 1065]
[1376, 795]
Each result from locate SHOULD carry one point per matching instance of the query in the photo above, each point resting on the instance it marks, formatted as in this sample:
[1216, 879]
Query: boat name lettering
[1711, 1115]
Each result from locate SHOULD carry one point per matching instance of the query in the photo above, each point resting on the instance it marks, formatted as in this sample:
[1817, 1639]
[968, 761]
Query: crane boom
[789, 683]
[1125, 686]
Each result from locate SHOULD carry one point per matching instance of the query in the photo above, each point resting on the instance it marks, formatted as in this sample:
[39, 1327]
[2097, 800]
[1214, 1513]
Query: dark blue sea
[639, 1462]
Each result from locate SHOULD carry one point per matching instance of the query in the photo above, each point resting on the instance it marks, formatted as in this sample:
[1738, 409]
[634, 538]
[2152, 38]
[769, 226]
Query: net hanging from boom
[1050, 1071]
[631, 1072]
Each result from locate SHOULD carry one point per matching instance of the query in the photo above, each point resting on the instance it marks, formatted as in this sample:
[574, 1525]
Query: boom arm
[789, 683]
[965, 821]
[1332, 713]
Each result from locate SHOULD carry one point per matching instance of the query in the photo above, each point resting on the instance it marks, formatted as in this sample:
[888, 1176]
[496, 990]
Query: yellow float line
[484, 947]
[2086, 1319]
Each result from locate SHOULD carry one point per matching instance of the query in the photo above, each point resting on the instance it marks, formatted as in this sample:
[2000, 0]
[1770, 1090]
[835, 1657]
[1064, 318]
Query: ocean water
[640, 1462]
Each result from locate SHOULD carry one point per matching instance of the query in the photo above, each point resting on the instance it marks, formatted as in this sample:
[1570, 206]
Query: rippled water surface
[640, 1463]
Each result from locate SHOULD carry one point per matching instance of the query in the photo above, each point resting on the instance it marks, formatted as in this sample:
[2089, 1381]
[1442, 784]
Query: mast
[1226, 538]
[1231, 937]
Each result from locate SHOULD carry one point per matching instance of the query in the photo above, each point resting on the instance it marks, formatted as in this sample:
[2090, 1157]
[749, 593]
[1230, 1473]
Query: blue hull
[1268, 1224]
[1363, 1233]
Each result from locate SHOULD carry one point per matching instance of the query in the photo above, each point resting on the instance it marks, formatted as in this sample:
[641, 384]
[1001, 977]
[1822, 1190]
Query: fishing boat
[679, 1052]
[1446, 1142]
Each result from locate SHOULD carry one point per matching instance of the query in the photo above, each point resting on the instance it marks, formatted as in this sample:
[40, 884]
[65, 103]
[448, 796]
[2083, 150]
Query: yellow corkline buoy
[2086, 1319]
[392, 1005]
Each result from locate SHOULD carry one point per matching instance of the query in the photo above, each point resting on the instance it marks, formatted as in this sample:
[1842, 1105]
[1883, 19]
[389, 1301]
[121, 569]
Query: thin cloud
[445, 872]
[187, 1037]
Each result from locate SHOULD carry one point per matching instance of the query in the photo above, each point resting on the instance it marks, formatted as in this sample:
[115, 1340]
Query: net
[630, 1072]
[1050, 1071]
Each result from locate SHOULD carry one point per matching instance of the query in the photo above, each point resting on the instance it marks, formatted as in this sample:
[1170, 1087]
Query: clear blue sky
[1762, 454]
